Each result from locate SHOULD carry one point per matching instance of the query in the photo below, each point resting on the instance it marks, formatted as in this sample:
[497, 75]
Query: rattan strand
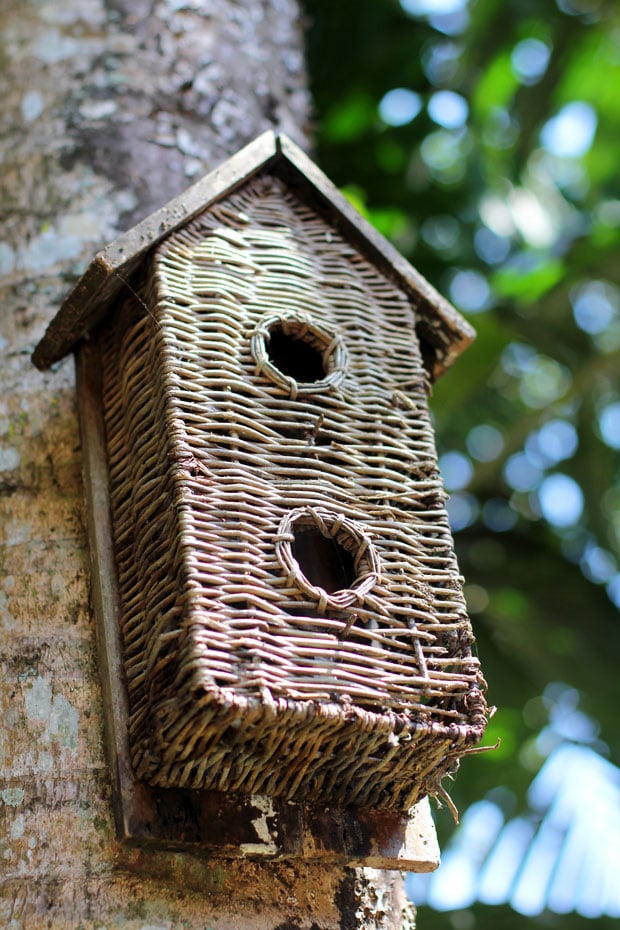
[243, 675]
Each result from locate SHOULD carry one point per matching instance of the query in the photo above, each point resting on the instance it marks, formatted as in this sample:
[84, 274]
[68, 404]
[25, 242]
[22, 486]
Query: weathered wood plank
[375, 839]
[104, 584]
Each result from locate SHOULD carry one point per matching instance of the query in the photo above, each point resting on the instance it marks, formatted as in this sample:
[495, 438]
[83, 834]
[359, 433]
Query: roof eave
[443, 328]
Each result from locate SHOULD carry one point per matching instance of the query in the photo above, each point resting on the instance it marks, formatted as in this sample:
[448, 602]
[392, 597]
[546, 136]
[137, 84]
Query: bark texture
[111, 107]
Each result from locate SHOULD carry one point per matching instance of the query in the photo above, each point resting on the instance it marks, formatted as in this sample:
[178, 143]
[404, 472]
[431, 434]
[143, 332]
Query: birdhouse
[280, 608]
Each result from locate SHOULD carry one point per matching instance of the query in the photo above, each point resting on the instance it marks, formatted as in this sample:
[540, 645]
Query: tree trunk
[110, 108]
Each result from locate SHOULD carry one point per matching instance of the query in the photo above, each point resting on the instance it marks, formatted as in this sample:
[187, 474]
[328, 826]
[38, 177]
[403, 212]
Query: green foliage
[507, 919]
[515, 216]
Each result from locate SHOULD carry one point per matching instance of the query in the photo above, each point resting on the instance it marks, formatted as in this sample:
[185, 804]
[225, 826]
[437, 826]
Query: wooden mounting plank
[209, 822]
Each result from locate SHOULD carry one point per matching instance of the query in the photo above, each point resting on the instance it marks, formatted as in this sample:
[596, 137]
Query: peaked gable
[441, 330]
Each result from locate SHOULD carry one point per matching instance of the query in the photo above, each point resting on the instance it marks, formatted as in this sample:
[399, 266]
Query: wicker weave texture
[293, 621]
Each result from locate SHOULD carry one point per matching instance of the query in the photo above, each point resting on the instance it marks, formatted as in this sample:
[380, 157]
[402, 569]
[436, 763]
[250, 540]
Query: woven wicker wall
[248, 671]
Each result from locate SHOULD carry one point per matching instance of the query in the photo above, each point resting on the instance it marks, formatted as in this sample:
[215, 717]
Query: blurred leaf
[390, 221]
[495, 88]
[528, 285]
[350, 118]
[357, 198]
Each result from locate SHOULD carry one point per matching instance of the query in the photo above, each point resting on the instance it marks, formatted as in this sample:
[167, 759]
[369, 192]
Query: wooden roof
[443, 332]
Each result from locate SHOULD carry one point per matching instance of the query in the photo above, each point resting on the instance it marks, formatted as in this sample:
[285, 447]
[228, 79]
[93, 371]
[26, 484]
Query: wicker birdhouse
[287, 608]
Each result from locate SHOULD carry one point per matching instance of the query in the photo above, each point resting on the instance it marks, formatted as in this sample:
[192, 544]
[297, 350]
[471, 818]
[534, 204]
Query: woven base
[268, 399]
[311, 751]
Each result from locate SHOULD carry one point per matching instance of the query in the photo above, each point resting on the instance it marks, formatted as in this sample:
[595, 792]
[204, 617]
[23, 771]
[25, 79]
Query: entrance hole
[324, 561]
[296, 358]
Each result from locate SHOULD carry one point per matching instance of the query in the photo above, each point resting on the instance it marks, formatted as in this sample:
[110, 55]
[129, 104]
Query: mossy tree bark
[111, 107]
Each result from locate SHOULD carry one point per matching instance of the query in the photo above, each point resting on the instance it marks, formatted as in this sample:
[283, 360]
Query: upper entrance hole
[324, 561]
[300, 355]
[295, 356]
